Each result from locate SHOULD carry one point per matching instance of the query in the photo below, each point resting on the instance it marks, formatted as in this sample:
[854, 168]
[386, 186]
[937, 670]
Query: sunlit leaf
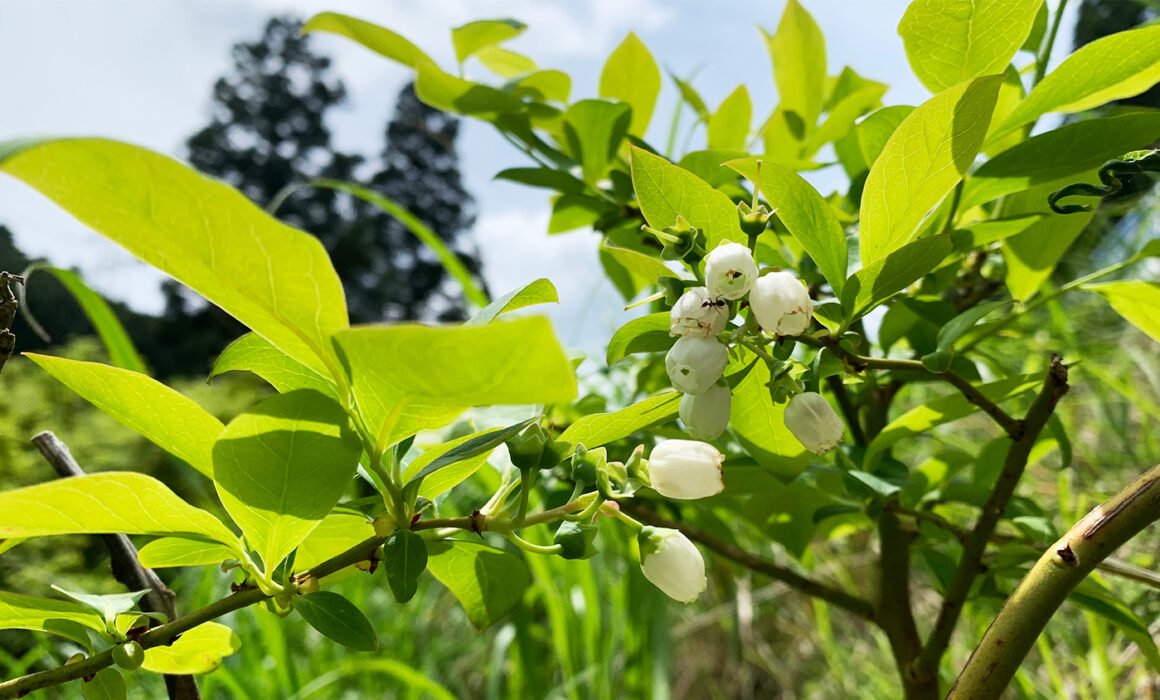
[487, 582]
[199, 650]
[667, 191]
[337, 618]
[631, 75]
[1138, 302]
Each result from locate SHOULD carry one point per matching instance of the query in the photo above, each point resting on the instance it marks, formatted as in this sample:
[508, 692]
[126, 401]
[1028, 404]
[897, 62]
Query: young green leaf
[475, 445]
[1113, 67]
[541, 291]
[645, 334]
[182, 551]
[949, 42]
[107, 606]
[200, 650]
[594, 130]
[473, 36]
[808, 217]
[378, 39]
[840, 120]
[798, 51]
[1138, 302]
[729, 126]
[106, 684]
[253, 353]
[60, 617]
[436, 373]
[453, 94]
[105, 503]
[337, 618]
[666, 191]
[404, 560]
[504, 63]
[645, 267]
[487, 582]
[923, 160]
[281, 466]
[876, 129]
[954, 328]
[760, 426]
[598, 429]
[273, 278]
[144, 405]
[631, 75]
[887, 276]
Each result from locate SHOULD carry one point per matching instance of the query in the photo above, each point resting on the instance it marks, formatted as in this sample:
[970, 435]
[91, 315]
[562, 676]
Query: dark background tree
[268, 129]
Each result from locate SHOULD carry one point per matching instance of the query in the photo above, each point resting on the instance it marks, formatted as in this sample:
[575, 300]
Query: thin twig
[123, 557]
[8, 306]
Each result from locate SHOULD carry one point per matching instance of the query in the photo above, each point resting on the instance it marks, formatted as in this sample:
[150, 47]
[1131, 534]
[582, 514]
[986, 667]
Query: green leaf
[451, 93]
[1034, 253]
[923, 160]
[144, 405]
[841, 118]
[337, 618]
[544, 177]
[253, 353]
[645, 334]
[378, 39]
[881, 487]
[808, 217]
[690, 95]
[573, 211]
[729, 126]
[631, 75]
[640, 265]
[105, 503]
[504, 63]
[954, 328]
[875, 130]
[666, 191]
[281, 466]
[540, 291]
[106, 684]
[473, 36]
[1110, 68]
[182, 551]
[200, 650]
[487, 582]
[598, 429]
[785, 514]
[1065, 152]
[942, 410]
[107, 606]
[434, 374]
[121, 351]
[949, 42]
[460, 452]
[1094, 598]
[336, 533]
[447, 257]
[1137, 302]
[404, 559]
[979, 234]
[887, 276]
[552, 85]
[798, 51]
[64, 618]
[273, 278]
[594, 130]
[760, 426]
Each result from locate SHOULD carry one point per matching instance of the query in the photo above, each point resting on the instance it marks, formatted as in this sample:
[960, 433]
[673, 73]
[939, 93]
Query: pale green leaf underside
[180, 551]
[407, 378]
[487, 582]
[26, 612]
[949, 41]
[273, 278]
[281, 466]
[924, 158]
[666, 191]
[109, 502]
[200, 650]
[165, 417]
[253, 353]
[540, 291]
[631, 75]
[1138, 302]
[597, 429]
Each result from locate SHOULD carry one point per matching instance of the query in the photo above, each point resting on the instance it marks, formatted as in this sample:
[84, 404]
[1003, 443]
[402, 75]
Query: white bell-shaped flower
[671, 563]
[696, 313]
[695, 364]
[686, 469]
[813, 422]
[706, 415]
[781, 303]
[730, 271]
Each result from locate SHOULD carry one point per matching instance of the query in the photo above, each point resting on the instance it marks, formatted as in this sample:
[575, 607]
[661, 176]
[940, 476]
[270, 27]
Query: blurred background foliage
[585, 629]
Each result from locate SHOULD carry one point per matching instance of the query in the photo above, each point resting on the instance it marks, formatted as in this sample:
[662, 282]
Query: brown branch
[839, 598]
[894, 613]
[970, 562]
[8, 307]
[126, 567]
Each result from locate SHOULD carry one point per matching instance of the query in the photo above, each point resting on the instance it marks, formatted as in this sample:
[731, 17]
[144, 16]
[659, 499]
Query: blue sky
[142, 70]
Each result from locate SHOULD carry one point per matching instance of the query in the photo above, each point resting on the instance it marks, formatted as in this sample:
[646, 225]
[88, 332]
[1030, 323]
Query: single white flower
[781, 303]
[813, 422]
[671, 563]
[696, 313]
[685, 469]
[730, 271]
[706, 415]
[695, 364]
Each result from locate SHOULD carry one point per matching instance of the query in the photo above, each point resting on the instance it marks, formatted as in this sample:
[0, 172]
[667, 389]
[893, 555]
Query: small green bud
[129, 655]
[527, 447]
[586, 464]
[575, 540]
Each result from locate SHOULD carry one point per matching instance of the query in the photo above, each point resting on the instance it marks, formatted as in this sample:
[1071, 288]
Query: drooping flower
[696, 313]
[730, 271]
[686, 469]
[695, 364]
[706, 415]
[813, 422]
[781, 303]
[671, 563]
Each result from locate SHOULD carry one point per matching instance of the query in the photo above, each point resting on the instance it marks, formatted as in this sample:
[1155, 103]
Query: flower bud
[129, 655]
[730, 271]
[813, 422]
[527, 446]
[696, 313]
[781, 303]
[671, 563]
[586, 464]
[706, 415]
[695, 364]
[575, 540]
[685, 469]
